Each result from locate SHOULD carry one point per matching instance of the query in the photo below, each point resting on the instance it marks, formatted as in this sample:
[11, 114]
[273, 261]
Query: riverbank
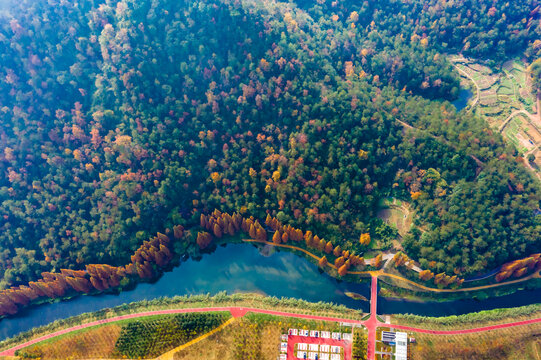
[239, 306]
[221, 300]
[246, 268]
[340, 265]
[408, 286]
[476, 319]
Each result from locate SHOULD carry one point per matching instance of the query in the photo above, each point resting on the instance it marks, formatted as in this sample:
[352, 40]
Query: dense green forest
[119, 119]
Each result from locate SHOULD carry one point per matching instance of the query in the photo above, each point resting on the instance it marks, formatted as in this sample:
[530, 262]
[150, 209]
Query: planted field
[255, 336]
[501, 91]
[504, 93]
[133, 339]
[150, 338]
[93, 343]
[512, 132]
[522, 133]
[507, 344]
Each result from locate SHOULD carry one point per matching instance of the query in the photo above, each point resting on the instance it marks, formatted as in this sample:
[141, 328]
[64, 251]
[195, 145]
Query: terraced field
[504, 99]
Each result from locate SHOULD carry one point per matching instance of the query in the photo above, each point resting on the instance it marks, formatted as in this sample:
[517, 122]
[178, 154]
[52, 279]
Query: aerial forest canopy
[119, 119]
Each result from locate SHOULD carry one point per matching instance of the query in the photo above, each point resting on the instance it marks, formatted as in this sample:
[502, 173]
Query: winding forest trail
[479, 163]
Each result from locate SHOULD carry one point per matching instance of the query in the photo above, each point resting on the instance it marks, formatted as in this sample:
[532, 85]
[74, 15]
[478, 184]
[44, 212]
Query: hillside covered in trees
[119, 119]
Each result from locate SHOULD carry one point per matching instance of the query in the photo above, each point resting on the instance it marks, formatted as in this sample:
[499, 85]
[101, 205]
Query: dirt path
[532, 119]
[534, 275]
[439, 138]
[478, 92]
[536, 350]
[380, 273]
[513, 114]
[371, 324]
[170, 355]
[539, 105]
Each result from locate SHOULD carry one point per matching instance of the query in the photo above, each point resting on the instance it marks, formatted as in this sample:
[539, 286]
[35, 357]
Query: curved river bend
[242, 268]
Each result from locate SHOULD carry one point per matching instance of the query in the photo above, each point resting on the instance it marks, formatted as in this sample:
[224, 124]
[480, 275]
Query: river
[242, 268]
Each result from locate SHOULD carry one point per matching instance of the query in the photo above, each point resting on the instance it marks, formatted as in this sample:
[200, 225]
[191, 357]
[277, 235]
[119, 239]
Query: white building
[401, 349]
[335, 349]
[399, 340]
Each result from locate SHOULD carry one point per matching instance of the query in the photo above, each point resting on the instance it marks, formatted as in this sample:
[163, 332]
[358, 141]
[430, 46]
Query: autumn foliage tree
[426, 275]
[378, 261]
[343, 270]
[365, 239]
[519, 268]
[96, 277]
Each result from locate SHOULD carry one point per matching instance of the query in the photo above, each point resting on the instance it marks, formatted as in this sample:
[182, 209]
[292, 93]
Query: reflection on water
[241, 268]
[463, 97]
[234, 268]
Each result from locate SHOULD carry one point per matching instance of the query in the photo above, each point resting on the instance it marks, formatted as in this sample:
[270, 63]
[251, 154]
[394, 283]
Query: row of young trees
[153, 254]
[519, 268]
[221, 224]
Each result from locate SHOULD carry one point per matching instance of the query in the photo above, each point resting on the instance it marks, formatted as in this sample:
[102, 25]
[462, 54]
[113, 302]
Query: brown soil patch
[533, 133]
[94, 343]
[504, 344]
[241, 340]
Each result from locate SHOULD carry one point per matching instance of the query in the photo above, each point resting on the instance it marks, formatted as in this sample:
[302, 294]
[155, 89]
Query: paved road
[235, 311]
[465, 331]
[371, 324]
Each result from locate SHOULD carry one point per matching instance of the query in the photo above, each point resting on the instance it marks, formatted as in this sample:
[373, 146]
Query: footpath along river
[242, 268]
